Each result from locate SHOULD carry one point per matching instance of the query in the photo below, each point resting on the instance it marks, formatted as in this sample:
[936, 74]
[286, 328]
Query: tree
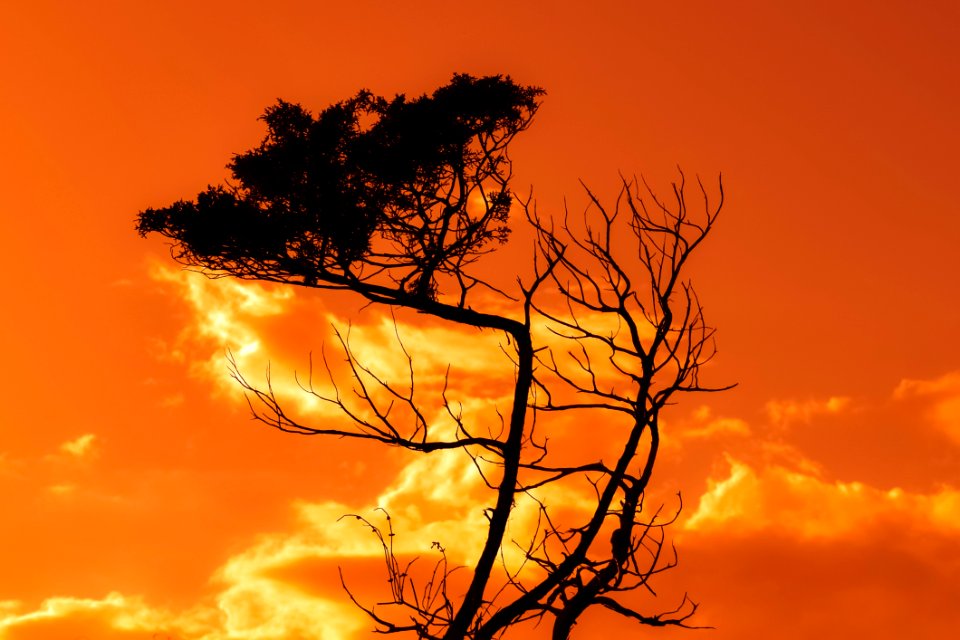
[396, 200]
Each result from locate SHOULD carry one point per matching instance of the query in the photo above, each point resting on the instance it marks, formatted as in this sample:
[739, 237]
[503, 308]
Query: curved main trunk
[473, 600]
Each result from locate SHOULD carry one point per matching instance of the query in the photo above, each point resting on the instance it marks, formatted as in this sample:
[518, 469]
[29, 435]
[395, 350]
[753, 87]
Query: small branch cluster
[377, 410]
[425, 609]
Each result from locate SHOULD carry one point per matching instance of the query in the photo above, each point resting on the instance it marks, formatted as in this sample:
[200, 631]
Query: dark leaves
[312, 201]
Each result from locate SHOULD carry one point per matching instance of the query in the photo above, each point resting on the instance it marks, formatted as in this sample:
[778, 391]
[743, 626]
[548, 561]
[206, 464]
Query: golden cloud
[262, 592]
[382, 342]
[439, 497]
[260, 608]
[225, 312]
[253, 610]
[64, 489]
[80, 447]
[785, 412]
[803, 504]
[115, 617]
[435, 498]
[232, 316]
[703, 425]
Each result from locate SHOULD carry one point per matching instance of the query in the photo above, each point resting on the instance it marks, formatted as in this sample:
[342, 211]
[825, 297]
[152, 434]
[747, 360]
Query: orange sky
[822, 496]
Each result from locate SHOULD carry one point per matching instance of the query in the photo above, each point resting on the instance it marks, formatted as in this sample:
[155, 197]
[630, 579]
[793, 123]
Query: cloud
[80, 447]
[286, 585]
[114, 617]
[439, 497]
[381, 342]
[948, 383]
[704, 425]
[230, 318]
[802, 504]
[436, 500]
[285, 582]
[225, 314]
[880, 585]
[253, 610]
[255, 607]
[293, 576]
[942, 396]
[64, 489]
[173, 400]
[440, 358]
[785, 412]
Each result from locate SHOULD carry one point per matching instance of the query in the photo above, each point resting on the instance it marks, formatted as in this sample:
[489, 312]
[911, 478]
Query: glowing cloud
[255, 610]
[706, 425]
[114, 617]
[802, 504]
[259, 608]
[785, 412]
[431, 500]
[80, 447]
[224, 316]
[65, 489]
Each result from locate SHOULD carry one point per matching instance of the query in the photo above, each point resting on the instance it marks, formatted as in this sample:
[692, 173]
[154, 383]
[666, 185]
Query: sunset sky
[821, 496]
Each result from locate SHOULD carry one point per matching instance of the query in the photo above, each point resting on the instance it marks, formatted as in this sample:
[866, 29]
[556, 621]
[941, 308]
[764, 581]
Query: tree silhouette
[395, 200]
[374, 195]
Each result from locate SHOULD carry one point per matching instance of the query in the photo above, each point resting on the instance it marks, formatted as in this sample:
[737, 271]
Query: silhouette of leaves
[394, 192]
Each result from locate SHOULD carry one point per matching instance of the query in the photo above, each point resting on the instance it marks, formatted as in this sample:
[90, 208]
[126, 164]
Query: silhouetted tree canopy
[371, 190]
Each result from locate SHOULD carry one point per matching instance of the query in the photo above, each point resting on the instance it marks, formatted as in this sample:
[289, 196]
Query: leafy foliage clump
[394, 192]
